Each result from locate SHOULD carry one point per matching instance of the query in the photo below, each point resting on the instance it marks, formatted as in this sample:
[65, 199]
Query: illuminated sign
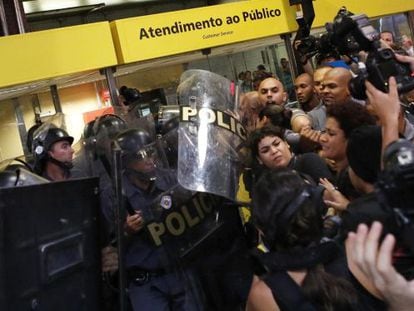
[176, 32]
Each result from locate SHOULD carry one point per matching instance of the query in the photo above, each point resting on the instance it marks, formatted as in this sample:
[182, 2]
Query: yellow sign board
[326, 10]
[57, 52]
[177, 32]
[171, 33]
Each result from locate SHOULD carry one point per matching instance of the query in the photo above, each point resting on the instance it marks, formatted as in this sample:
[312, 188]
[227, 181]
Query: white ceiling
[36, 6]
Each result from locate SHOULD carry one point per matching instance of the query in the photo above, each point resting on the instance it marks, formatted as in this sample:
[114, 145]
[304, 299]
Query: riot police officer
[154, 280]
[53, 152]
[98, 136]
[95, 160]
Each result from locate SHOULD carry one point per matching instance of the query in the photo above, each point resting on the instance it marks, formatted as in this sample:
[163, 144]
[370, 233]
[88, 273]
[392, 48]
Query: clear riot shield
[169, 144]
[40, 134]
[210, 135]
[58, 119]
[194, 224]
[97, 144]
[49, 256]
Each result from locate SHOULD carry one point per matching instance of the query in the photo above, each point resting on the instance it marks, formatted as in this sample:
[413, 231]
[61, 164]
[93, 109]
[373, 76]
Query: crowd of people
[311, 177]
[249, 81]
[347, 138]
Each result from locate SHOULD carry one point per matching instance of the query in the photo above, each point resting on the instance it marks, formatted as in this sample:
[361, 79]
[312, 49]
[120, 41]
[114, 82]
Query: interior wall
[9, 134]
[75, 101]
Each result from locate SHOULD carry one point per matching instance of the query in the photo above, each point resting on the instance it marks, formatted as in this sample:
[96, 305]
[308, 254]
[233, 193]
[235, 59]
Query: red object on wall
[105, 95]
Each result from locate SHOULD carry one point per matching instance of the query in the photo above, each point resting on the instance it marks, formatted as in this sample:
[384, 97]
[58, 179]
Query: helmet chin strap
[148, 177]
[65, 166]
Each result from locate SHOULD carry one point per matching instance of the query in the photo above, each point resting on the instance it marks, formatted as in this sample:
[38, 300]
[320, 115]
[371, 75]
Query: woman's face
[273, 152]
[333, 141]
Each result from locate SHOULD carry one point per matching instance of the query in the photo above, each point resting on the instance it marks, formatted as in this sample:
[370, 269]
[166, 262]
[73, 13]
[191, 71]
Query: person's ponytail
[328, 292]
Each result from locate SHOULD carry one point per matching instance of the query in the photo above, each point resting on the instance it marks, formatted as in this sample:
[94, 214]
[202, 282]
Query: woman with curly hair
[341, 120]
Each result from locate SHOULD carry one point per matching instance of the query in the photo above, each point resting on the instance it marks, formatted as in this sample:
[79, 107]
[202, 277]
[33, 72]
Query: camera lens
[386, 54]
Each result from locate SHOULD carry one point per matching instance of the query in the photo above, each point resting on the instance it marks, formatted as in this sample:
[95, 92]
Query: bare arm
[260, 297]
[387, 107]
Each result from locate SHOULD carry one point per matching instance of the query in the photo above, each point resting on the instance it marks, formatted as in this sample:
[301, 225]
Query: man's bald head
[272, 91]
[318, 75]
[304, 77]
[335, 86]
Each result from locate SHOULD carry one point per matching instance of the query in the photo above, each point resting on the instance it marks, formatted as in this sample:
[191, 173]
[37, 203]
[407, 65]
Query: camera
[354, 33]
[379, 67]
[310, 46]
[396, 182]
[348, 35]
[394, 188]
[338, 39]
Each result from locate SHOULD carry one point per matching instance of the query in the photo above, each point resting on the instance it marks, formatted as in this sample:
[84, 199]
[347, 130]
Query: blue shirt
[141, 251]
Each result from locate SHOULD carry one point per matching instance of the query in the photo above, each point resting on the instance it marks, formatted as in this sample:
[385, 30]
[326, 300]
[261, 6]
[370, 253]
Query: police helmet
[45, 138]
[88, 129]
[133, 141]
[109, 124]
[137, 144]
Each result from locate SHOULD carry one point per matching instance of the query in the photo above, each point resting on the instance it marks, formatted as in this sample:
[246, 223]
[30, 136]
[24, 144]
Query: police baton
[119, 218]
